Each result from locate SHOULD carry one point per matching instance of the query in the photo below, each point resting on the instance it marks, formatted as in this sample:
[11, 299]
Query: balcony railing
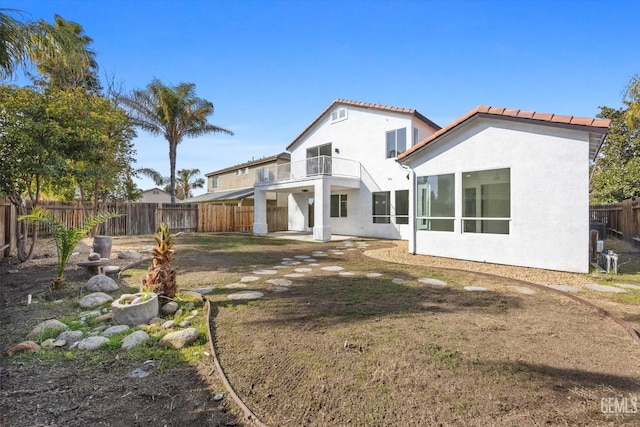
[309, 168]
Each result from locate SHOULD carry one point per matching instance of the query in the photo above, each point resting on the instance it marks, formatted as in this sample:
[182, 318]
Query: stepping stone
[280, 282]
[302, 256]
[346, 273]
[290, 262]
[287, 259]
[371, 275]
[294, 275]
[320, 255]
[314, 265]
[236, 285]
[475, 288]
[338, 253]
[565, 288]
[279, 267]
[634, 287]
[398, 281]
[249, 279]
[310, 260]
[605, 288]
[279, 289]
[202, 291]
[111, 269]
[302, 270]
[245, 295]
[522, 290]
[317, 253]
[262, 271]
[332, 268]
[430, 281]
[352, 249]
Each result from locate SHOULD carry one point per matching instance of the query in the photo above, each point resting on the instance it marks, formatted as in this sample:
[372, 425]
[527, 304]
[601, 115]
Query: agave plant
[66, 238]
[161, 277]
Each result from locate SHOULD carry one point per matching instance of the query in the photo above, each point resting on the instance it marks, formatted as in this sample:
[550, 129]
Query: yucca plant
[66, 238]
[161, 277]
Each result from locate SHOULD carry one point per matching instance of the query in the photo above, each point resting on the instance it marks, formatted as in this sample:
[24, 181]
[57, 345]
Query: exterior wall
[549, 225]
[362, 137]
[155, 196]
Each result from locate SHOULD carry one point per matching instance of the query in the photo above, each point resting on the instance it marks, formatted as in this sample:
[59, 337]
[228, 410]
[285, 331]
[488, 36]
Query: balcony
[312, 167]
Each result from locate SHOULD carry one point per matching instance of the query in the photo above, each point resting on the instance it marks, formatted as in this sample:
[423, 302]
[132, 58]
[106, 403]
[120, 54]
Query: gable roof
[600, 127]
[366, 105]
[258, 162]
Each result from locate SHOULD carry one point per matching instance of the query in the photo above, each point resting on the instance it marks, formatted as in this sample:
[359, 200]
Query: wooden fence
[144, 218]
[621, 220]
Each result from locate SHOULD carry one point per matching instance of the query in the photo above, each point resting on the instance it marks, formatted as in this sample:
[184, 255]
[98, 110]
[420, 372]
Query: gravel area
[399, 253]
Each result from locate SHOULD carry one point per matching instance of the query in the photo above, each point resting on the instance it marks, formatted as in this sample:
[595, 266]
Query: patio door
[319, 160]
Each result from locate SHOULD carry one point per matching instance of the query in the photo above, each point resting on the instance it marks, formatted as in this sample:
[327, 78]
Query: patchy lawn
[339, 349]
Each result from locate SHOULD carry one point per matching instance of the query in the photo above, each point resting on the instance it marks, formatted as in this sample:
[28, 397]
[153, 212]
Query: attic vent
[339, 115]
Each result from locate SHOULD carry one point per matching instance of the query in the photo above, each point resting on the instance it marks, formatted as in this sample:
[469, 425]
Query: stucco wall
[362, 137]
[549, 225]
[155, 196]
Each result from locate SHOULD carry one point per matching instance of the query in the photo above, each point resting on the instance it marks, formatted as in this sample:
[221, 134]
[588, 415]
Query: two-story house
[234, 185]
[496, 185]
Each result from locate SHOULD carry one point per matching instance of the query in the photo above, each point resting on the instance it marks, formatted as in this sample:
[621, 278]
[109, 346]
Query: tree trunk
[172, 163]
[22, 230]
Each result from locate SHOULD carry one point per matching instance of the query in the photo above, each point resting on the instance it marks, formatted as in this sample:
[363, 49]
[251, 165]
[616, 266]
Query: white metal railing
[307, 168]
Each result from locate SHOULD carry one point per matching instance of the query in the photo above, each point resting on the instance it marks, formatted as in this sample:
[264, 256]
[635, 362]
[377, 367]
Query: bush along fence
[620, 220]
[144, 218]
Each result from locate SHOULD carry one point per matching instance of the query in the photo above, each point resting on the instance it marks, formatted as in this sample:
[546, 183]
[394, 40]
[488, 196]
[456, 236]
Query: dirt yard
[333, 348]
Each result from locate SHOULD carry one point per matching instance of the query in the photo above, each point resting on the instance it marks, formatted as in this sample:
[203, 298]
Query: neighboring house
[343, 177]
[234, 185]
[507, 187]
[501, 186]
[155, 195]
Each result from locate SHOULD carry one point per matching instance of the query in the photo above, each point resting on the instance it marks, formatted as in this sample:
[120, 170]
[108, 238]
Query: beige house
[234, 185]
[155, 195]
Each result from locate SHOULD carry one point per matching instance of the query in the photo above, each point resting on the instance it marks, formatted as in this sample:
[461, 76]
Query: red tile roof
[408, 111]
[599, 126]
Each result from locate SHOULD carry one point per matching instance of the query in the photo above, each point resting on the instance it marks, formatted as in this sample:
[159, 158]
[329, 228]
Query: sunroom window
[436, 202]
[486, 201]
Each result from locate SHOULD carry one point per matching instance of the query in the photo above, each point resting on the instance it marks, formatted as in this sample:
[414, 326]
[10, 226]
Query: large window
[402, 207]
[381, 209]
[486, 201]
[436, 202]
[396, 142]
[338, 205]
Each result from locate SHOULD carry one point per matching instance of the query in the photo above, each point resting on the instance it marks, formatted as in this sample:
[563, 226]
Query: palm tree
[186, 180]
[24, 43]
[174, 112]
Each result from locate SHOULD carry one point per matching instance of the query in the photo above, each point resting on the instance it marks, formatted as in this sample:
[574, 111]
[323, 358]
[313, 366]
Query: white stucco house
[496, 185]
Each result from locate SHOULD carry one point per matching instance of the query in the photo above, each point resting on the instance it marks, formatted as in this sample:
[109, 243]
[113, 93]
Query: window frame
[402, 218]
[476, 197]
[338, 206]
[426, 222]
[393, 153]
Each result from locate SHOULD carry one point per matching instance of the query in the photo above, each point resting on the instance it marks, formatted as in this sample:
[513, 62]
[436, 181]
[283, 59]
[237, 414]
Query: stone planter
[133, 309]
[102, 245]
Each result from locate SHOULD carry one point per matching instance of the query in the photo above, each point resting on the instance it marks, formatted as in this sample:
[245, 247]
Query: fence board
[621, 220]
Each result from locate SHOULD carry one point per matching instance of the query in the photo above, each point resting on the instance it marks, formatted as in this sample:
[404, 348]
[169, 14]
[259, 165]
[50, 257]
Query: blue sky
[270, 67]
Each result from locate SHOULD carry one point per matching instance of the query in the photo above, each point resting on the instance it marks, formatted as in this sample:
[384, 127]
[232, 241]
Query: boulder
[114, 330]
[92, 343]
[136, 338]
[48, 325]
[94, 300]
[101, 283]
[24, 347]
[179, 339]
[169, 308]
[70, 336]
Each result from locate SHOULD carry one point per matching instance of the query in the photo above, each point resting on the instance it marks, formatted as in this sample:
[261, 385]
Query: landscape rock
[104, 318]
[179, 339]
[169, 324]
[184, 324]
[111, 269]
[134, 339]
[94, 256]
[51, 343]
[134, 255]
[24, 347]
[203, 291]
[169, 308]
[94, 300]
[114, 330]
[70, 336]
[92, 343]
[135, 313]
[102, 283]
[52, 325]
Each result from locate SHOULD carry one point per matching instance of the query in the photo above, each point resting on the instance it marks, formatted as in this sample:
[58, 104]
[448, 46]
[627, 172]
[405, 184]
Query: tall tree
[25, 43]
[174, 112]
[615, 176]
[632, 100]
[186, 180]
